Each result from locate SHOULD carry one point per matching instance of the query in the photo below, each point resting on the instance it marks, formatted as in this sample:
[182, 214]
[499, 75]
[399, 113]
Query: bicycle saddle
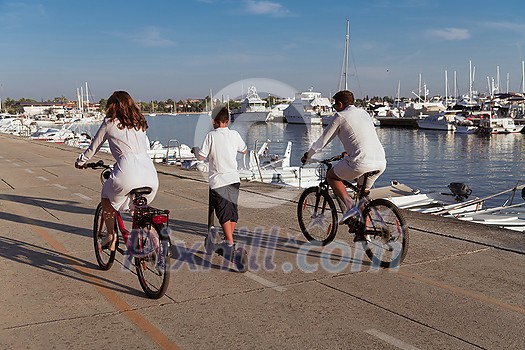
[140, 191]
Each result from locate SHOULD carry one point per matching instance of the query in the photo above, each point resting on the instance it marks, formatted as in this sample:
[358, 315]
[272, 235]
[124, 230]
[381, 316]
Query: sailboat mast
[446, 88]
[470, 81]
[343, 81]
[87, 97]
[523, 77]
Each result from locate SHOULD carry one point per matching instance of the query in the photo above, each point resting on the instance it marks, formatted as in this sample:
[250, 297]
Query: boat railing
[175, 146]
[508, 203]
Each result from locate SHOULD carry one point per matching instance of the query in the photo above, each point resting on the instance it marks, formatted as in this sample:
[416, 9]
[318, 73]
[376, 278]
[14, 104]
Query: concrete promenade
[462, 285]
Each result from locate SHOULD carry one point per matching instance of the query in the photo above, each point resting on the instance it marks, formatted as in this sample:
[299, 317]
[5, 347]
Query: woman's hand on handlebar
[78, 166]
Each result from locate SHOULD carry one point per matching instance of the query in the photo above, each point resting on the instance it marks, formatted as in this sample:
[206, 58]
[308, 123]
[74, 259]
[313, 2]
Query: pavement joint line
[447, 257]
[390, 340]
[49, 172]
[264, 281]
[458, 290]
[50, 213]
[421, 323]
[510, 250]
[111, 296]
[82, 196]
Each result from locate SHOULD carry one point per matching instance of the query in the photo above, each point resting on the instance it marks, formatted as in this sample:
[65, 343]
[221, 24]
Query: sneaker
[106, 242]
[359, 237]
[211, 240]
[350, 213]
[226, 250]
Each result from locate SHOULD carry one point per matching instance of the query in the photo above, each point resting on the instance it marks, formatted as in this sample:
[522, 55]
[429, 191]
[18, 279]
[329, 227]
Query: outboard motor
[460, 190]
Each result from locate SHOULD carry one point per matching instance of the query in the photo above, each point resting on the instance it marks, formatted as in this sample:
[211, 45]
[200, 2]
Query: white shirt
[357, 133]
[133, 168]
[220, 146]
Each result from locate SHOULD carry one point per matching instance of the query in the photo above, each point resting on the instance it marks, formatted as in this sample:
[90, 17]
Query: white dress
[133, 168]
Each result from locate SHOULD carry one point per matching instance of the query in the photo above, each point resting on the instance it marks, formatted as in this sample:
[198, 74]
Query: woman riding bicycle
[124, 127]
[364, 152]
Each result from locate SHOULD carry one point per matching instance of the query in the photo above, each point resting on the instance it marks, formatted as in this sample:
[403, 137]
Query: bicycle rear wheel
[105, 257]
[386, 233]
[153, 269]
[317, 216]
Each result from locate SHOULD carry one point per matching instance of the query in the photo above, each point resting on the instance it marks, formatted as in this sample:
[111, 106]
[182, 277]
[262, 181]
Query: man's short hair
[345, 97]
[221, 114]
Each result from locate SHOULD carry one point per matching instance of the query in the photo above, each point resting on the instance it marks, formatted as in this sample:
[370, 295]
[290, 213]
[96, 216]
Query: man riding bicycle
[363, 150]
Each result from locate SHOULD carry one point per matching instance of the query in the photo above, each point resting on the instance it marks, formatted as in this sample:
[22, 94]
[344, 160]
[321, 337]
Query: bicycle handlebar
[98, 165]
[325, 161]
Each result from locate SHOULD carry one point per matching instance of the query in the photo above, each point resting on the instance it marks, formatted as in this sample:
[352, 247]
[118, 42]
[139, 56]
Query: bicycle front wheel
[317, 216]
[153, 268]
[385, 232]
[105, 257]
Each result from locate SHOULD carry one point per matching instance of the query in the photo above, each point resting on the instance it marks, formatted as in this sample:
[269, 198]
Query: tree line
[13, 106]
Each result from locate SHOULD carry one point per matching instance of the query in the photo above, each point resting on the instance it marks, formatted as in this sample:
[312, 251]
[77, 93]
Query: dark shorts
[224, 202]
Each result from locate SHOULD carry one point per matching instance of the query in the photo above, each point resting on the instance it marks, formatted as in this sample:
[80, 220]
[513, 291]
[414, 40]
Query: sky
[158, 50]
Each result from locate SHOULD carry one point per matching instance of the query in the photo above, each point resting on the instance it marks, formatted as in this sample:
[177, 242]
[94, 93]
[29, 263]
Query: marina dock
[461, 285]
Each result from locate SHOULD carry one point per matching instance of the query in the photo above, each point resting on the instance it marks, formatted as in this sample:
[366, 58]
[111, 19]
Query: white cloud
[451, 33]
[151, 36]
[265, 8]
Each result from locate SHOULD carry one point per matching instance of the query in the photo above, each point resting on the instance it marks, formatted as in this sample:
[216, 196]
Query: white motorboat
[18, 126]
[174, 153]
[465, 126]
[499, 126]
[440, 121]
[253, 109]
[308, 107]
[433, 202]
[510, 215]
[53, 134]
[264, 165]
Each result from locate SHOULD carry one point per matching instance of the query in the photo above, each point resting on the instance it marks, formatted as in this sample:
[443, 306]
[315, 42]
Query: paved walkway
[461, 286]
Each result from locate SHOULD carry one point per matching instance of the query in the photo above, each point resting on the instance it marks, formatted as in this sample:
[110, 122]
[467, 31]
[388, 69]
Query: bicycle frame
[360, 190]
[140, 210]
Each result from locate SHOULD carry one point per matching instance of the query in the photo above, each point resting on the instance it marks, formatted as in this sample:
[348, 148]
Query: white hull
[306, 119]
[251, 117]
[499, 126]
[466, 129]
[429, 125]
[440, 121]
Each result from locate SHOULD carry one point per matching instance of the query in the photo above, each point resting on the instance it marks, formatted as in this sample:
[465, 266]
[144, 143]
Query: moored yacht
[308, 108]
[253, 109]
[499, 126]
[440, 121]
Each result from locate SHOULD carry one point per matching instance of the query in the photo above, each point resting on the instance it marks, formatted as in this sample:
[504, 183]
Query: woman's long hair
[121, 106]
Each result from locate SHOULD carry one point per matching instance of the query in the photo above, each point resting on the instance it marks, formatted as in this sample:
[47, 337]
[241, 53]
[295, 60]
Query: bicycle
[380, 227]
[148, 241]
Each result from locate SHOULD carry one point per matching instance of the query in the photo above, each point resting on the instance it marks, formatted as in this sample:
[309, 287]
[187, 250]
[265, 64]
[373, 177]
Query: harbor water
[427, 160]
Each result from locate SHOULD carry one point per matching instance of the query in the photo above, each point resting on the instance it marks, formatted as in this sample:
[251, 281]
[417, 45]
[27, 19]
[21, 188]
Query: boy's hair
[221, 114]
[345, 97]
